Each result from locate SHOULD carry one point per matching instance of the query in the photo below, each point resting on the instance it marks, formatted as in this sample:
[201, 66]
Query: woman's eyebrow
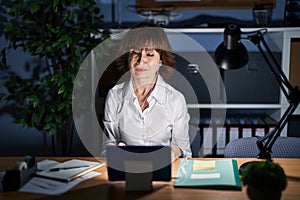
[149, 49]
[139, 51]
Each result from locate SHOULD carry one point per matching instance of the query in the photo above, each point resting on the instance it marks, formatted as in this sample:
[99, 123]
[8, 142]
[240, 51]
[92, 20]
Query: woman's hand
[175, 153]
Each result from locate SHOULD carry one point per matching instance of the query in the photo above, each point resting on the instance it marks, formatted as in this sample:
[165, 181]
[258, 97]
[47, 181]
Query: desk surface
[100, 188]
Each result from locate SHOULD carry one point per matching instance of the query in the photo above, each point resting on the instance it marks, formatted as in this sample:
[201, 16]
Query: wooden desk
[100, 188]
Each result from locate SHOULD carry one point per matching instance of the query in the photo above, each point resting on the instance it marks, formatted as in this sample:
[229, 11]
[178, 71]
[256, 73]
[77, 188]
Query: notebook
[214, 174]
[69, 170]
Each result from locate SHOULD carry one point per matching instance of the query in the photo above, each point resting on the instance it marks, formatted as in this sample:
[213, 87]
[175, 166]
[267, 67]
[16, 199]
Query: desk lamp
[232, 54]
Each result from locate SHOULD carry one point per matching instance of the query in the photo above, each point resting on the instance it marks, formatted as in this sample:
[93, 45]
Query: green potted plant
[59, 34]
[264, 180]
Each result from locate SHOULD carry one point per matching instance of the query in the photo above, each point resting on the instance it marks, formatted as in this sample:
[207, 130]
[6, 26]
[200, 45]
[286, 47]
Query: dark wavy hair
[140, 36]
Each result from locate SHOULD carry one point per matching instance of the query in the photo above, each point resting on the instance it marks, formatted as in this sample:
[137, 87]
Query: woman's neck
[143, 86]
[142, 90]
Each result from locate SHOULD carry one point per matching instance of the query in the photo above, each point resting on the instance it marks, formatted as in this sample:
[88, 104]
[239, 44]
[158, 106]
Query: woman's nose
[143, 58]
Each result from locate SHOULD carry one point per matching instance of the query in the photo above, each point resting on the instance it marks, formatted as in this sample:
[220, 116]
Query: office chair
[284, 147]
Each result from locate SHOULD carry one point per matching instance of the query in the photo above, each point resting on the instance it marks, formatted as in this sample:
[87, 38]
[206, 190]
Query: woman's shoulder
[116, 90]
[171, 89]
[171, 92]
[118, 87]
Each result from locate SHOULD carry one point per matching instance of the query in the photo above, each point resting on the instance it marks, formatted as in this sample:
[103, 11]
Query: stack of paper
[62, 177]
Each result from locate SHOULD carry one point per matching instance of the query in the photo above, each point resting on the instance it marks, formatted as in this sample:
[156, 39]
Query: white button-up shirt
[164, 122]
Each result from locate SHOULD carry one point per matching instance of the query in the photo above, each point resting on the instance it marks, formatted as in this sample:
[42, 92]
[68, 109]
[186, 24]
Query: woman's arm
[111, 131]
[180, 132]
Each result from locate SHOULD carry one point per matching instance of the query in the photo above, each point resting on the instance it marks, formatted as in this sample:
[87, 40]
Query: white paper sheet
[52, 187]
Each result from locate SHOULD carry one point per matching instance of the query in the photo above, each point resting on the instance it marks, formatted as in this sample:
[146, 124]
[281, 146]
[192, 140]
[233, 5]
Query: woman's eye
[135, 54]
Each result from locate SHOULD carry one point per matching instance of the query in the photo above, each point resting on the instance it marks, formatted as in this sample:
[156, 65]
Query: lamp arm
[292, 94]
[279, 68]
[280, 76]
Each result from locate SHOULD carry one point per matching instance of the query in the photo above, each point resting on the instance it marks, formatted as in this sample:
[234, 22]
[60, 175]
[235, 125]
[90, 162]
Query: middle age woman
[145, 110]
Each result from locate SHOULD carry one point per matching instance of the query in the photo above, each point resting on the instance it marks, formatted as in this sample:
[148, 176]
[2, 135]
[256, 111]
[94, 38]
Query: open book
[69, 170]
[215, 174]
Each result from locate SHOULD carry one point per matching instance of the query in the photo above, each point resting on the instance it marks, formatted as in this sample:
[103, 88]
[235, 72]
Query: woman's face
[144, 63]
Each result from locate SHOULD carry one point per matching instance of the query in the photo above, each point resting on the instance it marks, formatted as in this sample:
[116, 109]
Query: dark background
[14, 140]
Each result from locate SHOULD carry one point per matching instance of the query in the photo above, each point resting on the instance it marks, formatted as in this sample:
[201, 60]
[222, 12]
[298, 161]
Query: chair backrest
[284, 147]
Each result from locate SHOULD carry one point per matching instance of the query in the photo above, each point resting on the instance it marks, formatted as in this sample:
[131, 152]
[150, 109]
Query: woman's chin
[144, 76]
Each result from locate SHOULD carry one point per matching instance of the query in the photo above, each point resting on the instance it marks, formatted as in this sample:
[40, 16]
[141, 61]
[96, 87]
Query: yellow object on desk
[204, 165]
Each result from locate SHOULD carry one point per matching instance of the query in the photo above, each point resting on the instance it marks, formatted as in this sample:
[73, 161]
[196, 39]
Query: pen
[66, 168]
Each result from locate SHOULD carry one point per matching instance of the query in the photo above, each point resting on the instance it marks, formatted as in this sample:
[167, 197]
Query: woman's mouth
[140, 69]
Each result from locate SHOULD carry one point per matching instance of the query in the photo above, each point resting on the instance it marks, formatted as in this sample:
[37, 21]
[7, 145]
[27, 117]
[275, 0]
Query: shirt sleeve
[110, 121]
[180, 132]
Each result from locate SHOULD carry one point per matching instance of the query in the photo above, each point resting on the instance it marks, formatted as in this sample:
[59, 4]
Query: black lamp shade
[231, 54]
[231, 59]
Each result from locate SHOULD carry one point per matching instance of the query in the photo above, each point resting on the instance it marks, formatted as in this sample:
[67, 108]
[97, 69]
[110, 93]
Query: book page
[68, 170]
